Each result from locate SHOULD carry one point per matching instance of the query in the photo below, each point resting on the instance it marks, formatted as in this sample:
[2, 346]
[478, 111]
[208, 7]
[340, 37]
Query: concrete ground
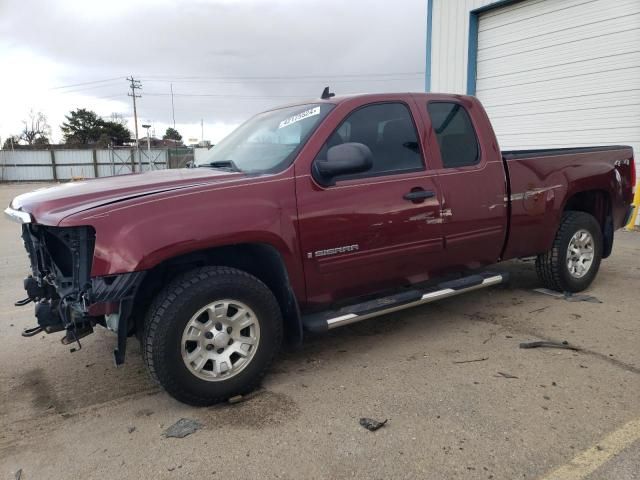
[461, 399]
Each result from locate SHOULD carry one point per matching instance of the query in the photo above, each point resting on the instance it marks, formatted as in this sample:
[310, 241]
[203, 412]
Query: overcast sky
[227, 59]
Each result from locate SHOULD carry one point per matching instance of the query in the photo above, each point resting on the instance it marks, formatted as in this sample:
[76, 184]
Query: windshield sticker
[301, 116]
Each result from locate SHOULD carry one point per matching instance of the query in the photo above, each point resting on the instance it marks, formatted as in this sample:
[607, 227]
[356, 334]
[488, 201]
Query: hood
[50, 205]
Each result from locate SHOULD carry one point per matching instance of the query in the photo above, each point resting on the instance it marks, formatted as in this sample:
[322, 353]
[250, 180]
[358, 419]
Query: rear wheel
[212, 334]
[574, 259]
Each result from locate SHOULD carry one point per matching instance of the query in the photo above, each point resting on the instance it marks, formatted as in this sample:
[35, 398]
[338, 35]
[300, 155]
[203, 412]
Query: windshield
[268, 142]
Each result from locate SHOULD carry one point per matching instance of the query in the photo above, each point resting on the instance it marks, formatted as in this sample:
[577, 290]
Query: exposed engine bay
[66, 297]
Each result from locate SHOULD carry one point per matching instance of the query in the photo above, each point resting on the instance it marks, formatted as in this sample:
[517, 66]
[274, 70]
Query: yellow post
[636, 206]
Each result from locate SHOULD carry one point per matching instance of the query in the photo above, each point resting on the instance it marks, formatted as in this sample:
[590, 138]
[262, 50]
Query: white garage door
[558, 73]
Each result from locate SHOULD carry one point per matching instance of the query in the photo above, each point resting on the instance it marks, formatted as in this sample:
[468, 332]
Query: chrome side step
[323, 321]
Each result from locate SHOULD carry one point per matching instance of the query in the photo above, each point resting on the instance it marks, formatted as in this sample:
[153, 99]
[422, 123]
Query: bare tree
[35, 129]
[118, 118]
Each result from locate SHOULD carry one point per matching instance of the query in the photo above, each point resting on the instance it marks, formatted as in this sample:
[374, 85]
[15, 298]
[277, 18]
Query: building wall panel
[450, 39]
[551, 73]
[571, 51]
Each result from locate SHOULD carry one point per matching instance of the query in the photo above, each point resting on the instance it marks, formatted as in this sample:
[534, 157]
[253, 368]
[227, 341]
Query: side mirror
[343, 159]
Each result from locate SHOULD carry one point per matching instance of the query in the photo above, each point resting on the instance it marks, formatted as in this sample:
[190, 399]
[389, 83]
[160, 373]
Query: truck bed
[553, 152]
[542, 181]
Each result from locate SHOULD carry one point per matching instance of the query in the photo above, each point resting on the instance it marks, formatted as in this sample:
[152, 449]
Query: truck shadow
[426, 321]
[88, 378]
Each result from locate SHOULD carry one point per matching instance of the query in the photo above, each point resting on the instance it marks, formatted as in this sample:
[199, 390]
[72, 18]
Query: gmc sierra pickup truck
[306, 218]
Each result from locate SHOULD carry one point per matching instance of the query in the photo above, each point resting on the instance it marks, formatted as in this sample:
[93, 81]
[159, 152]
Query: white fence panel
[25, 157]
[31, 165]
[68, 172]
[154, 159]
[73, 156]
[74, 164]
[200, 154]
[120, 161]
[25, 165]
[21, 173]
[103, 156]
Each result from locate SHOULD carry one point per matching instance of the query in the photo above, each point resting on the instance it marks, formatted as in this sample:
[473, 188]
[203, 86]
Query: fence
[200, 154]
[43, 165]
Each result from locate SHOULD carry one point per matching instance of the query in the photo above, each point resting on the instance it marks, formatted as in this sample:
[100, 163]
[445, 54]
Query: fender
[139, 234]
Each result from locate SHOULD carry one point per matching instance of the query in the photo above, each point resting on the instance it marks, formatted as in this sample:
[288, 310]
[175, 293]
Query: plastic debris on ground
[371, 424]
[568, 296]
[182, 428]
[547, 344]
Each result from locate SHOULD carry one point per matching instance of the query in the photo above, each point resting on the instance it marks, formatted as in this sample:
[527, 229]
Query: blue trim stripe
[427, 70]
[494, 5]
[472, 57]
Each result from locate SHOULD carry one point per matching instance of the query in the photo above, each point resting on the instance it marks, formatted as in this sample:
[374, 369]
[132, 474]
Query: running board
[323, 321]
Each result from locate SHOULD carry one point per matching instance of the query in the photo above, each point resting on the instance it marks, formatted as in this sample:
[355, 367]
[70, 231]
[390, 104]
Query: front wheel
[574, 259]
[212, 334]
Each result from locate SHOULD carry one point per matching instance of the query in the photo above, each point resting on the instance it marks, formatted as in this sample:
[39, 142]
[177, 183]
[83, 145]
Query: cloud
[226, 59]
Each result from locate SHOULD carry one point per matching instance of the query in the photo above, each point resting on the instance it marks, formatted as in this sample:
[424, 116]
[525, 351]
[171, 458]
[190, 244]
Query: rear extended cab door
[471, 176]
[361, 235]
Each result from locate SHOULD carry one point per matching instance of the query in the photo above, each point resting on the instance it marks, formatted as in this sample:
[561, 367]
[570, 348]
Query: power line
[267, 81]
[83, 89]
[238, 82]
[86, 83]
[283, 77]
[111, 96]
[169, 78]
[340, 78]
[224, 96]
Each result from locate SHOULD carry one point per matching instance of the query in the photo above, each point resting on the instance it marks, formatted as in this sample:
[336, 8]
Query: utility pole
[135, 85]
[173, 110]
[202, 130]
[147, 126]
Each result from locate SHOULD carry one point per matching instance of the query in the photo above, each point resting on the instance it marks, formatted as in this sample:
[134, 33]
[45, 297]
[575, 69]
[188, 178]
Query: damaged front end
[66, 297]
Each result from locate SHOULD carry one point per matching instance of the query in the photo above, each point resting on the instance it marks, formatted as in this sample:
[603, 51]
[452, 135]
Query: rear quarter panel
[542, 185]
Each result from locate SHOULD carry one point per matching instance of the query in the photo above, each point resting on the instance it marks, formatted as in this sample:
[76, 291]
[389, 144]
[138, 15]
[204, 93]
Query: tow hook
[30, 332]
[23, 302]
[74, 335]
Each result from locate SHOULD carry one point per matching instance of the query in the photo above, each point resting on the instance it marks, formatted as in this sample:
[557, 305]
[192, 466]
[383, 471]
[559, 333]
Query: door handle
[418, 195]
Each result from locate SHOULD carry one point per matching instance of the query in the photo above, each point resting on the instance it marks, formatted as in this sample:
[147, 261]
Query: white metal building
[551, 73]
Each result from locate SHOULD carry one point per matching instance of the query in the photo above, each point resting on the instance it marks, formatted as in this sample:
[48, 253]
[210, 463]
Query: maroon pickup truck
[306, 218]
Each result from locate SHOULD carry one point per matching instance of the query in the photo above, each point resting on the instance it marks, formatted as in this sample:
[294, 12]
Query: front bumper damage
[66, 297]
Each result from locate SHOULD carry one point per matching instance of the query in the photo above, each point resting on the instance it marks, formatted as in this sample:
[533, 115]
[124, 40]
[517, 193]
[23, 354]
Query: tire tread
[549, 265]
[171, 298]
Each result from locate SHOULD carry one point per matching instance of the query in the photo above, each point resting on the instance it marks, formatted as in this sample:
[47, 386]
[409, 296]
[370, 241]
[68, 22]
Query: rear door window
[455, 133]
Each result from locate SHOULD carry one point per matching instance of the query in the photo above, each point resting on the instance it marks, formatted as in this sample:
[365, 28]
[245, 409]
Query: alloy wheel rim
[580, 253]
[220, 340]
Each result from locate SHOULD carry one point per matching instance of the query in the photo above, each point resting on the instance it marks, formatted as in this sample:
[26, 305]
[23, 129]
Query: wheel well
[260, 260]
[598, 204]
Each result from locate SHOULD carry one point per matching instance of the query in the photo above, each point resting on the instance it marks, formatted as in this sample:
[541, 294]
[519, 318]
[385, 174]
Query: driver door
[374, 230]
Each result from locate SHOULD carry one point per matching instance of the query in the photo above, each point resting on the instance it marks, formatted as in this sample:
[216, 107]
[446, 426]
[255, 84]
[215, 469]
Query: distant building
[159, 142]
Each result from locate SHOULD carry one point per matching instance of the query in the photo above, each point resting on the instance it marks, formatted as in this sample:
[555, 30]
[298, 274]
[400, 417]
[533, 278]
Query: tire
[552, 267]
[174, 319]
